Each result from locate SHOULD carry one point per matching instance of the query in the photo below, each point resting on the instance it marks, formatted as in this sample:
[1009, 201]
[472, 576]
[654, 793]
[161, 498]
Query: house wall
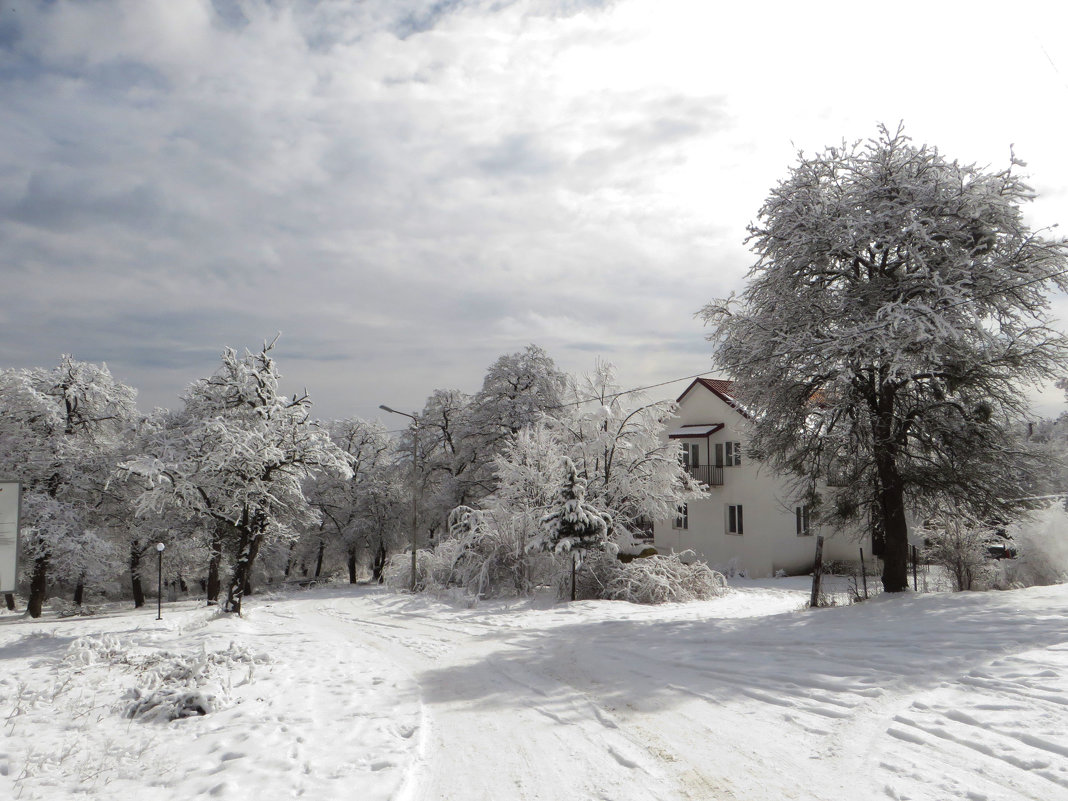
[769, 541]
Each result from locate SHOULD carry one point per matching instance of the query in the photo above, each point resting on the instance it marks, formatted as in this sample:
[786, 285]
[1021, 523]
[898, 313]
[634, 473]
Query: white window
[690, 453]
[682, 518]
[801, 519]
[734, 454]
[734, 519]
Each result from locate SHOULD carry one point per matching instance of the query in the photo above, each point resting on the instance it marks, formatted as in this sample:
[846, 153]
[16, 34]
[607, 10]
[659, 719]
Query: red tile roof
[719, 386]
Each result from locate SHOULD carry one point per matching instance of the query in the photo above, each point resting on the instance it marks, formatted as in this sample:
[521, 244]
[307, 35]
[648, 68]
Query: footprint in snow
[623, 760]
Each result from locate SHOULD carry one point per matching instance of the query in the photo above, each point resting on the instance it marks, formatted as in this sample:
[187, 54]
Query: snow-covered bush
[650, 580]
[170, 685]
[733, 568]
[1042, 546]
[958, 544]
[433, 569]
[483, 556]
[64, 608]
[167, 704]
[91, 650]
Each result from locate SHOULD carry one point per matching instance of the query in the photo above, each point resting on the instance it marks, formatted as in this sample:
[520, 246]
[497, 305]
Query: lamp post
[159, 597]
[415, 480]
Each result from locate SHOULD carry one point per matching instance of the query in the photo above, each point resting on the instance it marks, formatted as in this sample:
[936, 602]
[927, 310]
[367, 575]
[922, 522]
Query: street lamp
[415, 480]
[159, 597]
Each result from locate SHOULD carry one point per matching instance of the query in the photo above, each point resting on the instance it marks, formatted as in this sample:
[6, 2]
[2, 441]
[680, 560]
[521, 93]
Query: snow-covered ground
[354, 692]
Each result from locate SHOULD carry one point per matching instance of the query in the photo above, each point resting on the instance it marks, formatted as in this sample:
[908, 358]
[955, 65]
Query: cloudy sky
[409, 189]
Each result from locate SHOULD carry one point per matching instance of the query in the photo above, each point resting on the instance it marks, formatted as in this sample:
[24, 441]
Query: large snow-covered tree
[894, 316]
[239, 454]
[59, 431]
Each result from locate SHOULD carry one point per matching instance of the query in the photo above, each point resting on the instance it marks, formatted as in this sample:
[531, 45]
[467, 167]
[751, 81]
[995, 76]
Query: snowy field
[353, 692]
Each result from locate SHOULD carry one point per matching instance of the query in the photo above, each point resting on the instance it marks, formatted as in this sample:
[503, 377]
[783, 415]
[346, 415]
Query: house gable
[719, 387]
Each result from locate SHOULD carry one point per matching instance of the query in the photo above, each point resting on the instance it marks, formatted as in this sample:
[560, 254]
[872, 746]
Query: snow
[339, 692]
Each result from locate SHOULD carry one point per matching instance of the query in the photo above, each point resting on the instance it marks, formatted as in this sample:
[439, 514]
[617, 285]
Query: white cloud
[409, 189]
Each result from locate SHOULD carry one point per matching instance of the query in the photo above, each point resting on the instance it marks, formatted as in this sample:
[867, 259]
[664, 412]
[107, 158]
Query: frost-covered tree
[618, 444]
[518, 389]
[59, 433]
[460, 434]
[894, 315]
[529, 471]
[239, 455]
[359, 513]
[448, 458]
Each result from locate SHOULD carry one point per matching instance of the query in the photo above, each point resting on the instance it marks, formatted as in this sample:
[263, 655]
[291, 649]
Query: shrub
[959, 545]
[650, 580]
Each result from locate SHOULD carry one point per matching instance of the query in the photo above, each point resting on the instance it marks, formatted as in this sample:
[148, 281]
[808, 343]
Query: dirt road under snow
[364, 693]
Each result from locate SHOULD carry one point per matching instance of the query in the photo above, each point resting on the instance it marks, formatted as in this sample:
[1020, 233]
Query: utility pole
[415, 484]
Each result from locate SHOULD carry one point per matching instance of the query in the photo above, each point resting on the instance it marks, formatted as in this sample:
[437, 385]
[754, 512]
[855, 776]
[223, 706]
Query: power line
[866, 330]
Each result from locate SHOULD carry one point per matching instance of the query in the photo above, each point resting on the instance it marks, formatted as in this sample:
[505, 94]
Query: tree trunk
[894, 526]
[9, 599]
[890, 489]
[319, 557]
[214, 584]
[248, 547]
[38, 586]
[135, 574]
[352, 565]
[378, 565]
[289, 560]
[79, 591]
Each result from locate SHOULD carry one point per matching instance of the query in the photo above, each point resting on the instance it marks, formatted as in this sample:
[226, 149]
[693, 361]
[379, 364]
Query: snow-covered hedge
[650, 580]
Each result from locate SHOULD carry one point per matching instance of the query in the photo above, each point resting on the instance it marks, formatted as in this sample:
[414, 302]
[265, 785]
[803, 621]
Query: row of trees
[242, 472]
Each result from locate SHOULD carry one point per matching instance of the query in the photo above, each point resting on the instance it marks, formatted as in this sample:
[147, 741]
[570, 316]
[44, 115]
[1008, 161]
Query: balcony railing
[708, 474]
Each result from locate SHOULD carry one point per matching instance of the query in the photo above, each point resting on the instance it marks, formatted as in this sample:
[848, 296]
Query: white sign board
[9, 535]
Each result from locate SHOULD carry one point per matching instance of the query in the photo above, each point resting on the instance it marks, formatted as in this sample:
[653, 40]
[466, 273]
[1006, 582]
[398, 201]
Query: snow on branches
[896, 308]
[239, 454]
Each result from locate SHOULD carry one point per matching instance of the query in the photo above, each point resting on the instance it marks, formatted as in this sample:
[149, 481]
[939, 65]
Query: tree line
[243, 484]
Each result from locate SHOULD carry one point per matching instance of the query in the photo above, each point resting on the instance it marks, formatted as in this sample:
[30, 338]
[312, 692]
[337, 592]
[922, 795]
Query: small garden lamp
[159, 602]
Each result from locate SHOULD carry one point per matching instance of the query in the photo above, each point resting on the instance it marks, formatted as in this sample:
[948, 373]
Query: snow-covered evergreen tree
[573, 524]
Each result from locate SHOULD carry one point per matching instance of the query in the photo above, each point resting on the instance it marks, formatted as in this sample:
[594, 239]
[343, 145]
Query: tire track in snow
[539, 720]
[939, 733]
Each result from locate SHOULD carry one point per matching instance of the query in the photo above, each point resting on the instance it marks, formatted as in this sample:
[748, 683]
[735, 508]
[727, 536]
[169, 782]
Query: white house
[749, 519]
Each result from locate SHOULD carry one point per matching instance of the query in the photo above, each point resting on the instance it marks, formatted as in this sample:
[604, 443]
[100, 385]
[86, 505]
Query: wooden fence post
[863, 574]
[915, 558]
[817, 569]
[572, 575]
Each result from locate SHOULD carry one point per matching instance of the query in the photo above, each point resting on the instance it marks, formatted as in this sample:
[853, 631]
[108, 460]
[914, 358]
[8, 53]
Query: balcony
[708, 474]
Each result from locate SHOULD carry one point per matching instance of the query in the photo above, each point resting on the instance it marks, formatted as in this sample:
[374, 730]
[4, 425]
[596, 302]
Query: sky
[407, 190]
